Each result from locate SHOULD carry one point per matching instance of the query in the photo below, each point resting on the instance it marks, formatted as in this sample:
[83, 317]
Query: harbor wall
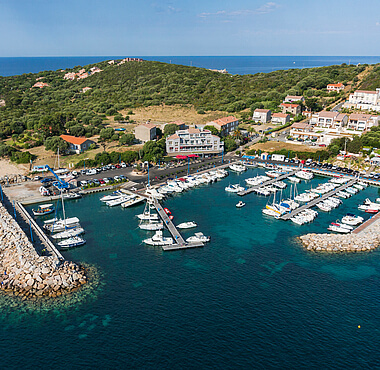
[23, 272]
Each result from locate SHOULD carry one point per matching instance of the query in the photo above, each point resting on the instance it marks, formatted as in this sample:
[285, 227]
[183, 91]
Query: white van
[91, 172]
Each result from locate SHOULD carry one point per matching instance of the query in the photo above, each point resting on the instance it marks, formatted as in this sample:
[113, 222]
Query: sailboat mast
[63, 209]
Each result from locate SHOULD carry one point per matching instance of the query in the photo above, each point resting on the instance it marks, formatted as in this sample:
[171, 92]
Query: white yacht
[115, 195]
[351, 219]
[158, 239]
[234, 188]
[237, 167]
[305, 175]
[118, 201]
[338, 229]
[187, 225]
[72, 242]
[62, 225]
[147, 215]
[198, 237]
[151, 225]
[294, 179]
[240, 204]
[152, 192]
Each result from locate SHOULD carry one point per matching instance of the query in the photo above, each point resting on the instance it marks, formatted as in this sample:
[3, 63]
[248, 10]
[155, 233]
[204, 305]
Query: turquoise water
[251, 298]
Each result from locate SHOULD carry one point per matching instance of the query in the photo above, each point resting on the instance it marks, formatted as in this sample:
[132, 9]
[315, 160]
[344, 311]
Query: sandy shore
[7, 168]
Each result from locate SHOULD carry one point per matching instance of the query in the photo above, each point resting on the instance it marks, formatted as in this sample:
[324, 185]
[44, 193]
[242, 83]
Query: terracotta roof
[356, 116]
[289, 105]
[340, 117]
[74, 140]
[281, 115]
[224, 121]
[262, 110]
[336, 85]
[174, 136]
[327, 114]
[193, 130]
[300, 125]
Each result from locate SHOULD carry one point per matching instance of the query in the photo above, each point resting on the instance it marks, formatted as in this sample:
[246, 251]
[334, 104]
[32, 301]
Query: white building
[193, 141]
[280, 118]
[225, 125]
[365, 100]
[329, 119]
[362, 122]
[261, 115]
[293, 98]
[335, 87]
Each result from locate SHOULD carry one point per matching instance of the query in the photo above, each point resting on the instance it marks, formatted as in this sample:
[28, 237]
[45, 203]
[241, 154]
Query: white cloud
[377, 24]
[263, 9]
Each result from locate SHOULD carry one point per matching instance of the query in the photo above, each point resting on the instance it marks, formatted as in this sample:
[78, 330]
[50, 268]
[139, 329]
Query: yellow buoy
[359, 326]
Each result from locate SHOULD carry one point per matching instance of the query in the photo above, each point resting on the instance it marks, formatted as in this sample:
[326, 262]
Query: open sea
[233, 64]
[251, 298]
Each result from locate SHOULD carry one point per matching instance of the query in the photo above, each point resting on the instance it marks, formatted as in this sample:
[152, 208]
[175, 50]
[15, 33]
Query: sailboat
[147, 215]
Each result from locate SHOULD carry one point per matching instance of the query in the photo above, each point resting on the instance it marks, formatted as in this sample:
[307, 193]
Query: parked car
[118, 166]
[36, 178]
[102, 182]
[91, 172]
[96, 182]
[123, 165]
[46, 180]
[83, 183]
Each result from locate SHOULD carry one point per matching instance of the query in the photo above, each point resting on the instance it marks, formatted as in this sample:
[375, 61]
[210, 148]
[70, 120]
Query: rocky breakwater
[24, 273]
[366, 240]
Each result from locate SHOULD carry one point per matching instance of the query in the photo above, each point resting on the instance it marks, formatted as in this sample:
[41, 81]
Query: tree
[118, 117]
[170, 129]
[129, 156]
[229, 144]
[355, 145]
[214, 130]
[55, 142]
[106, 133]
[126, 139]
[77, 130]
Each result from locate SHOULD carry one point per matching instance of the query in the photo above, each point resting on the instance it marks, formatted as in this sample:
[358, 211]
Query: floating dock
[179, 242]
[313, 202]
[269, 182]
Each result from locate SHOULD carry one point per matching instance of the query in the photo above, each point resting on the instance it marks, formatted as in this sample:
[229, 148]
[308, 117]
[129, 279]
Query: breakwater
[23, 272]
[365, 240]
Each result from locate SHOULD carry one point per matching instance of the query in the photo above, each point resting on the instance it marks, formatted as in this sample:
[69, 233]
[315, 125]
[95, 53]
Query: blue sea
[251, 298]
[234, 64]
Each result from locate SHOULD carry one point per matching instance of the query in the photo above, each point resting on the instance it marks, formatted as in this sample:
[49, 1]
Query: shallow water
[252, 297]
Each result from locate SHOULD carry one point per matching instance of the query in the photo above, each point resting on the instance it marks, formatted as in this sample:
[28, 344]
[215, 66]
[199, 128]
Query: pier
[312, 203]
[179, 242]
[269, 182]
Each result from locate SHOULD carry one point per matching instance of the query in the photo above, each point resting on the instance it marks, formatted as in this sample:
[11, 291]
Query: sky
[184, 27]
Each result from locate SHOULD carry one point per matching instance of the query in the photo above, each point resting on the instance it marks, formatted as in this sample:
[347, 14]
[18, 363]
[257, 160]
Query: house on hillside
[261, 115]
[145, 132]
[335, 87]
[290, 108]
[280, 118]
[365, 100]
[362, 122]
[41, 84]
[180, 124]
[225, 125]
[77, 144]
[302, 131]
[293, 98]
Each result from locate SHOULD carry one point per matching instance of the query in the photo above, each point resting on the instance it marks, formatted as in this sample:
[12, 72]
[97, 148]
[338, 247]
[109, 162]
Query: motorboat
[262, 191]
[158, 239]
[352, 190]
[294, 179]
[72, 242]
[72, 195]
[351, 219]
[304, 175]
[338, 229]
[358, 186]
[280, 184]
[234, 188]
[68, 233]
[270, 212]
[273, 174]
[152, 192]
[151, 225]
[198, 237]
[237, 167]
[115, 202]
[187, 225]
[43, 209]
[132, 201]
[240, 204]
[338, 223]
[342, 194]
[115, 195]
[257, 180]
[324, 207]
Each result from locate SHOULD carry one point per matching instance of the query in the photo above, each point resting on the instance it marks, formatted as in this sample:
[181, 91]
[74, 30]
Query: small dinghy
[240, 204]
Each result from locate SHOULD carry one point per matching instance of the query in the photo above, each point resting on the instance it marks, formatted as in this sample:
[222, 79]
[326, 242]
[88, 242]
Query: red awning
[181, 156]
[193, 156]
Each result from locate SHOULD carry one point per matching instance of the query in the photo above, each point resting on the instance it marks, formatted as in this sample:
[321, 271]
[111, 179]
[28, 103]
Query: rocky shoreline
[24, 273]
[366, 240]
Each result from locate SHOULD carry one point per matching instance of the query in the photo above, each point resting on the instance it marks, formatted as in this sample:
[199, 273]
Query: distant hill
[52, 109]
